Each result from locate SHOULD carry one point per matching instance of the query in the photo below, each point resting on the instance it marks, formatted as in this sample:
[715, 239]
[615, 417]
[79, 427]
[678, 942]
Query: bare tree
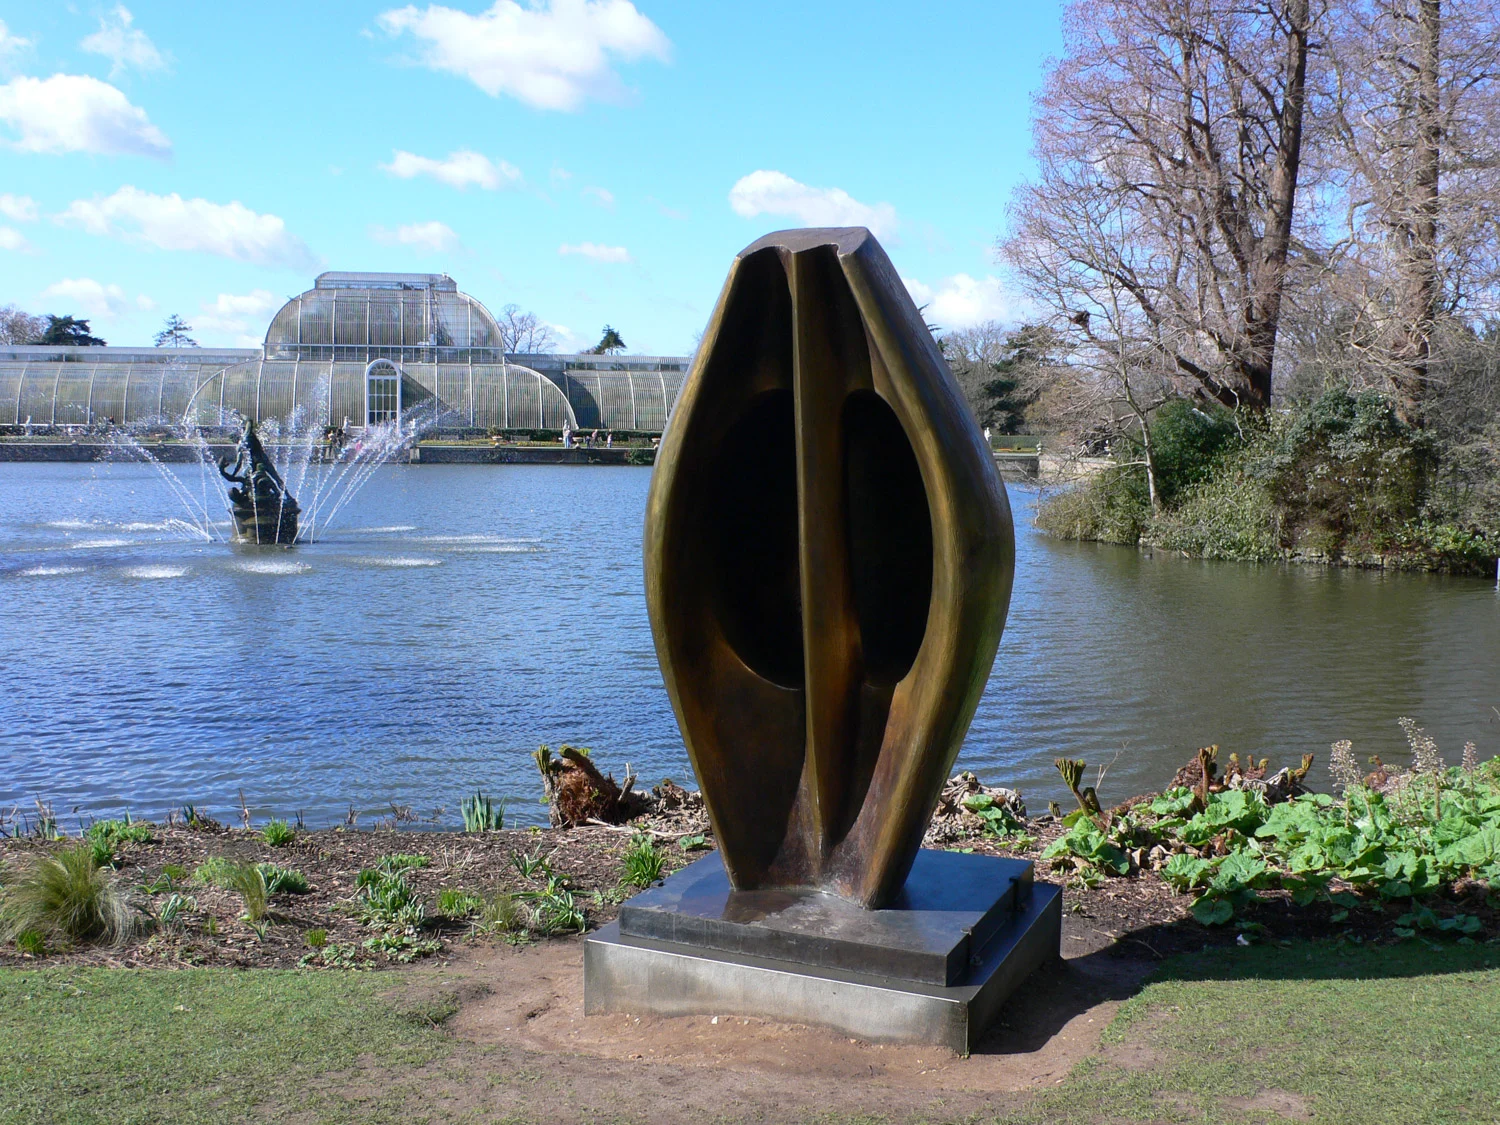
[1169, 142]
[523, 333]
[19, 327]
[1413, 156]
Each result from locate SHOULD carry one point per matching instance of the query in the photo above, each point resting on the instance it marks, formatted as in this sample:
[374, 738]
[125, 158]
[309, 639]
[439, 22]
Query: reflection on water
[464, 614]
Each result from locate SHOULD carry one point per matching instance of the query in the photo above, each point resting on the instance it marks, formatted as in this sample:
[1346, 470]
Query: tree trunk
[1263, 310]
[1422, 284]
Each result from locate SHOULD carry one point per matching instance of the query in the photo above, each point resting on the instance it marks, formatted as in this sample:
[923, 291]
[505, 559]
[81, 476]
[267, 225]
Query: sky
[592, 161]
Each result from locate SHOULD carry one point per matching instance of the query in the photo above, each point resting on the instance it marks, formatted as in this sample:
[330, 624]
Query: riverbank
[1340, 481]
[65, 450]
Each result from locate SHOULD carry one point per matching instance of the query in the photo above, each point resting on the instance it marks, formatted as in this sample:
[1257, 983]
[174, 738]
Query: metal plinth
[644, 975]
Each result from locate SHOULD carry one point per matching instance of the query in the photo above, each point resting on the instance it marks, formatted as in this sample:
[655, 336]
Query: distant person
[987, 436]
[609, 440]
[567, 438]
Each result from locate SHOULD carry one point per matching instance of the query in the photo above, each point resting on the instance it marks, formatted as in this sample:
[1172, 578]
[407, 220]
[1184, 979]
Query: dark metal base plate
[640, 975]
[951, 907]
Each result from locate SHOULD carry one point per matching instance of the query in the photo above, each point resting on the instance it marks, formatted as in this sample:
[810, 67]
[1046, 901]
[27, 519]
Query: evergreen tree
[174, 334]
[70, 332]
[608, 343]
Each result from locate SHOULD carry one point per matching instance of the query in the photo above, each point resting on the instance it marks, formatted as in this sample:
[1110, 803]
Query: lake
[456, 617]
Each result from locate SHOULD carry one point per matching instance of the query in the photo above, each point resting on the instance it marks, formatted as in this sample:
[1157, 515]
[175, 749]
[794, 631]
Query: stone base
[626, 972]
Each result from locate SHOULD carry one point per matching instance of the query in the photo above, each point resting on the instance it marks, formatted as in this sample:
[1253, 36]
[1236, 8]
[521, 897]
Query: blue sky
[592, 161]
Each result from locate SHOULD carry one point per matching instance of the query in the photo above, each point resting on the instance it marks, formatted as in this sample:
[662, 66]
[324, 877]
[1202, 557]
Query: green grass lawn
[204, 1045]
[1331, 1033]
[1406, 1034]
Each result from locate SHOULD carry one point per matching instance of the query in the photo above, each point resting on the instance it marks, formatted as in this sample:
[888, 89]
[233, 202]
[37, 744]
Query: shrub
[481, 814]
[278, 833]
[1228, 515]
[66, 897]
[1112, 506]
[1347, 472]
[644, 861]
[1187, 441]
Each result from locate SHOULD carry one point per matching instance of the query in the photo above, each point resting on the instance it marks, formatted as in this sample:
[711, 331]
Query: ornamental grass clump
[65, 898]
[278, 833]
[644, 861]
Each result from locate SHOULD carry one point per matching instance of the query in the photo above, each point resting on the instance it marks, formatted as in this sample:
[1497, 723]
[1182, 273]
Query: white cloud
[12, 239]
[96, 300]
[602, 196]
[123, 45]
[776, 193]
[76, 113]
[230, 230]
[458, 170]
[432, 238]
[597, 252]
[11, 44]
[21, 208]
[144, 303]
[962, 301]
[550, 54]
[242, 316]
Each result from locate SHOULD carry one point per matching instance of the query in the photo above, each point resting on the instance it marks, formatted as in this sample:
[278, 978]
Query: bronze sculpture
[829, 555]
[264, 512]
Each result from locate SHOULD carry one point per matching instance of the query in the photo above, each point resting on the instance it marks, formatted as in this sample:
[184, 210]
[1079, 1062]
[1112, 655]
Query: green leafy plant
[33, 942]
[174, 907]
[693, 843]
[401, 945]
[278, 833]
[553, 910]
[531, 865]
[389, 900]
[481, 814]
[172, 876]
[283, 880]
[116, 832]
[101, 850]
[401, 861]
[316, 938]
[644, 862]
[67, 897]
[455, 903]
[215, 871]
[1085, 847]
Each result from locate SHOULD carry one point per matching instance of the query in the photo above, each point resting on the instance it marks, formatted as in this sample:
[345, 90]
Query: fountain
[274, 463]
[264, 512]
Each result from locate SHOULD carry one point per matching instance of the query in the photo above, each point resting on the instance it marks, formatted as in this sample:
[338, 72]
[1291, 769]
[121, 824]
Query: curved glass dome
[405, 317]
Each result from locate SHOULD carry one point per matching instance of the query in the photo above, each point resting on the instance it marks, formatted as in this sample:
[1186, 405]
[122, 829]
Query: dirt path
[529, 1050]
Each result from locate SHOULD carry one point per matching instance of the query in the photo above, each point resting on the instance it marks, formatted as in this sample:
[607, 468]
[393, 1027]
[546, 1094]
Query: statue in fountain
[264, 511]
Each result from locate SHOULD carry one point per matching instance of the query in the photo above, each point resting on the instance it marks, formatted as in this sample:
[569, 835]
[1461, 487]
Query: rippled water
[463, 614]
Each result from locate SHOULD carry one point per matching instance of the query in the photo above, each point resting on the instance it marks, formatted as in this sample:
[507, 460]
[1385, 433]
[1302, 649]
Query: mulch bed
[1136, 916]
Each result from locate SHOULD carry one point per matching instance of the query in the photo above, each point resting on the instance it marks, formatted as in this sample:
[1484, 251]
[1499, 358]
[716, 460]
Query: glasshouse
[358, 349]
